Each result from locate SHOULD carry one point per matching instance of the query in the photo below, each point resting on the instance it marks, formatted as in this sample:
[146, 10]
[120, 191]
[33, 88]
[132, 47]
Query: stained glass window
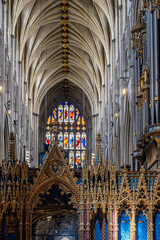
[65, 112]
[66, 140]
[71, 158]
[71, 140]
[83, 156]
[48, 137]
[78, 158]
[71, 133]
[60, 139]
[60, 113]
[72, 113]
[83, 143]
[77, 140]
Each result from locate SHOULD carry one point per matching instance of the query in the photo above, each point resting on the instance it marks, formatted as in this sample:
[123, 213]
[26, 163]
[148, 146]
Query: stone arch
[49, 183]
[99, 224]
[44, 188]
[55, 171]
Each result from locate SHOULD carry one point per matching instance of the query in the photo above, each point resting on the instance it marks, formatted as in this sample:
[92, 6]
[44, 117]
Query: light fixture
[1, 88]
[9, 111]
[124, 91]
[116, 114]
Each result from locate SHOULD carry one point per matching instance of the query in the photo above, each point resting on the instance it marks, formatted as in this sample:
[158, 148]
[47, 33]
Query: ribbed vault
[90, 29]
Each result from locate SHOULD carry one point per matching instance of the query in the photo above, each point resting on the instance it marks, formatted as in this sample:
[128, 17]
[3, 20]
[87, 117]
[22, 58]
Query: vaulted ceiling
[38, 25]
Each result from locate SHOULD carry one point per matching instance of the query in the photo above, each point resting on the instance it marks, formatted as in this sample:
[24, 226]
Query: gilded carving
[102, 191]
[145, 87]
[145, 3]
[139, 35]
[156, 3]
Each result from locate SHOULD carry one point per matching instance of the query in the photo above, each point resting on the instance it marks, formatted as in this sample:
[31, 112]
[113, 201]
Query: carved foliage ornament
[155, 5]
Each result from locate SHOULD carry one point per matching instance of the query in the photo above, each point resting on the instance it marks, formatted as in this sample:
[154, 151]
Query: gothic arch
[45, 186]
[55, 171]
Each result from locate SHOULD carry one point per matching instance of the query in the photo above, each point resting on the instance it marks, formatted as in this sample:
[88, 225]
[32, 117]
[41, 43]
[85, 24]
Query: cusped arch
[45, 186]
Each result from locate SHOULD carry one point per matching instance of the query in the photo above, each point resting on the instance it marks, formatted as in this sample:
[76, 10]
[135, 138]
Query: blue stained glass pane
[124, 227]
[156, 234]
[141, 226]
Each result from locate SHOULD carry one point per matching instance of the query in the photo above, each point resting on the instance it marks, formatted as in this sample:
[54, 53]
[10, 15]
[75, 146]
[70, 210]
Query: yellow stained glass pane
[79, 121]
[71, 128]
[54, 112]
[83, 156]
[49, 120]
[83, 122]
[77, 113]
[78, 128]
[66, 128]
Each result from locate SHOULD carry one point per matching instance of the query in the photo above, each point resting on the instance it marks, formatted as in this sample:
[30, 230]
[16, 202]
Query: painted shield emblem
[55, 167]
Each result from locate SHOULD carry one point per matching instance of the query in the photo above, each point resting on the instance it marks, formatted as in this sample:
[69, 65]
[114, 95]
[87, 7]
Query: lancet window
[71, 133]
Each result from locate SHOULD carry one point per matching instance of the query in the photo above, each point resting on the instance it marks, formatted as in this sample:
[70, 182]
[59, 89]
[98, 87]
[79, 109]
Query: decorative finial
[98, 155]
[98, 138]
[54, 130]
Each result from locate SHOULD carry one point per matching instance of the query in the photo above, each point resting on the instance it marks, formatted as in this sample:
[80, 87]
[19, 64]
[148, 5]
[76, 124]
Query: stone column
[35, 139]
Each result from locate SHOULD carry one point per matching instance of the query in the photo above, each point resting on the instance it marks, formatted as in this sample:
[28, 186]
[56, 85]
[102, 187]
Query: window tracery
[71, 133]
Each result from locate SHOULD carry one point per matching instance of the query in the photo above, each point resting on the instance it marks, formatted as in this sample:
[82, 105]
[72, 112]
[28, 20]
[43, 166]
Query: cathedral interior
[79, 119]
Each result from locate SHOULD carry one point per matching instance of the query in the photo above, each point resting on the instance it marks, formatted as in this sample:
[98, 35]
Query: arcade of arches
[79, 119]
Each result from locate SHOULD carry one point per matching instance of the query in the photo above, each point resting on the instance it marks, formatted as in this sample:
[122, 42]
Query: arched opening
[62, 99]
[71, 133]
[123, 226]
[55, 218]
[156, 222]
[99, 225]
[141, 225]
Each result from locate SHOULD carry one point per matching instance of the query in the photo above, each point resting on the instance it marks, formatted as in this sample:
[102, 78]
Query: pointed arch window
[71, 133]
